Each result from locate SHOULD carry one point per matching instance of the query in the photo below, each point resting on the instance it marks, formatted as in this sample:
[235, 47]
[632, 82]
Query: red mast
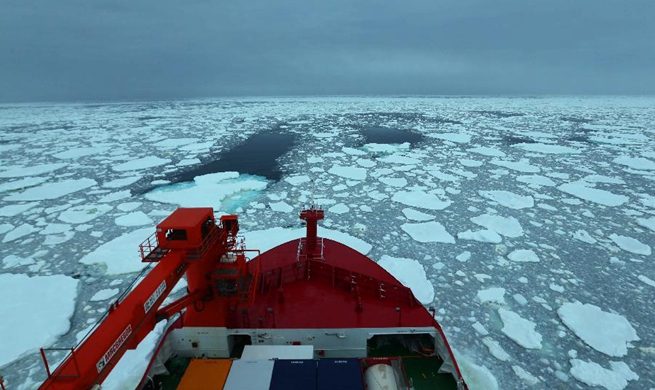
[311, 216]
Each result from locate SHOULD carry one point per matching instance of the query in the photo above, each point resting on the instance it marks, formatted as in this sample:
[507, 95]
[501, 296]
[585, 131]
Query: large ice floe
[410, 273]
[605, 332]
[37, 310]
[218, 190]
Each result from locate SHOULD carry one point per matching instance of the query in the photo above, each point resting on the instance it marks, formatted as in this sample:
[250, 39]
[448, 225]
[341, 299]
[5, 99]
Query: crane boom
[188, 241]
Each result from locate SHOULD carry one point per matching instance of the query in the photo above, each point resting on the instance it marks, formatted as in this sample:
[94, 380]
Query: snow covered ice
[531, 231]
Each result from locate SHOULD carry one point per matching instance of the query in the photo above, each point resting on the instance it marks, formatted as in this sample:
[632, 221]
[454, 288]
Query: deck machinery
[302, 315]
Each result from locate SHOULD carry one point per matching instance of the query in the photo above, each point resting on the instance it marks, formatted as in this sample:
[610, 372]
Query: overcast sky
[161, 49]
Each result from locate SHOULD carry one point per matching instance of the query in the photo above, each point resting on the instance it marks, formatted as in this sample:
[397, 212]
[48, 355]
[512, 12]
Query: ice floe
[52, 190]
[593, 374]
[519, 329]
[639, 163]
[217, 190]
[282, 207]
[15, 209]
[81, 152]
[141, 163]
[495, 349]
[297, 180]
[83, 213]
[421, 199]
[416, 215]
[547, 148]
[494, 295]
[428, 232]
[130, 369]
[137, 218]
[120, 255]
[605, 332]
[520, 166]
[39, 317]
[22, 183]
[508, 199]
[104, 294]
[582, 190]
[411, 274]
[523, 256]
[122, 182]
[506, 226]
[480, 236]
[19, 232]
[347, 172]
[34, 170]
[631, 244]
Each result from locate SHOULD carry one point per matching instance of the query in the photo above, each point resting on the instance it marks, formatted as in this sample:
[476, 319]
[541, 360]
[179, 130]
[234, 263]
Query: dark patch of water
[149, 117]
[387, 135]
[578, 138]
[513, 140]
[499, 114]
[255, 156]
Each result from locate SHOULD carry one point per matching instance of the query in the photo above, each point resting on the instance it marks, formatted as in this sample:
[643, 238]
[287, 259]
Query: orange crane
[188, 241]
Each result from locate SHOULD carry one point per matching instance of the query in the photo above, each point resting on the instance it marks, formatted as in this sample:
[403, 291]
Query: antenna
[313, 189]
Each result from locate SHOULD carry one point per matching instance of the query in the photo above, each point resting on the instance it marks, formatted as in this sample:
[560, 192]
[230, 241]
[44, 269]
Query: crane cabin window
[176, 235]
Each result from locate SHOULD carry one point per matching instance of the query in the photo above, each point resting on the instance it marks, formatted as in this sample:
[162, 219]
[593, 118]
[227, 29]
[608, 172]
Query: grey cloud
[94, 50]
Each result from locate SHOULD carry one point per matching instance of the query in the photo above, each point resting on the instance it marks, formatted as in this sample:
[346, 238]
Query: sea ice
[519, 329]
[494, 295]
[281, 206]
[547, 148]
[104, 294]
[421, 199]
[481, 236]
[297, 179]
[30, 171]
[122, 182]
[638, 163]
[648, 223]
[584, 236]
[19, 232]
[411, 274]
[428, 232]
[525, 375]
[120, 255]
[593, 374]
[416, 215]
[211, 190]
[519, 166]
[81, 152]
[22, 183]
[536, 180]
[646, 280]
[141, 163]
[506, 226]
[130, 369]
[14, 209]
[460, 138]
[523, 256]
[352, 173]
[508, 199]
[137, 218]
[583, 191]
[496, 350]
[39, 317]
[605, 332]
[83, 213]
[52, 190]
[339, 208]
[487, 151]
[631, 245]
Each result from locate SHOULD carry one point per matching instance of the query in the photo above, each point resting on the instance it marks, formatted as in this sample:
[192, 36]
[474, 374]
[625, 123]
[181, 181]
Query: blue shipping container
[339, 374]
[294, 374]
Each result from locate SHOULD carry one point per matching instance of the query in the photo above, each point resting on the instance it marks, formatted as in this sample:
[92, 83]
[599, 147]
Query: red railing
[337, 277]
